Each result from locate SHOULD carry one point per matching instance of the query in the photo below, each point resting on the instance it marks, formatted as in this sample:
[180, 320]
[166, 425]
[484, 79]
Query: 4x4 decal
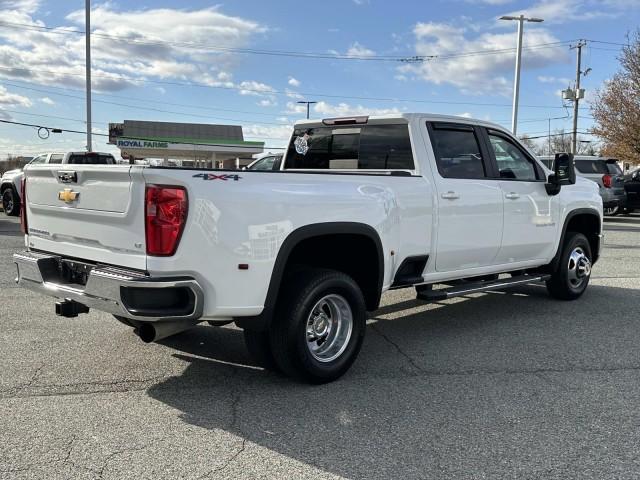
[212, 176]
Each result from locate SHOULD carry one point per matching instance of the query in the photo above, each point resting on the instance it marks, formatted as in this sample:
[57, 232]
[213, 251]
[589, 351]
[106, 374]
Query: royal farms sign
[124, 143]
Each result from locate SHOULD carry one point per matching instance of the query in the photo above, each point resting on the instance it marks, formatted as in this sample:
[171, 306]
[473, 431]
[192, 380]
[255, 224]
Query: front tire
[319, 325]
[11, 202]
[572, 275]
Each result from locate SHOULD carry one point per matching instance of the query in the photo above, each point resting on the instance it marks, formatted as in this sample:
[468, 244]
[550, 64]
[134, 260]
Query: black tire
[11, 202]
[562, 284]
[301, 293]
[259, 347]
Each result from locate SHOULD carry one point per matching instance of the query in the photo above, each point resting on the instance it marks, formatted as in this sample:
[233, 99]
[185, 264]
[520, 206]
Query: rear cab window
[351, 147]
[598, 166]
[91, 159]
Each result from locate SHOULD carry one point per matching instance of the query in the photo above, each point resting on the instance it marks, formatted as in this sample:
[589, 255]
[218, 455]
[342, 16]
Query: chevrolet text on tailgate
[296, 257]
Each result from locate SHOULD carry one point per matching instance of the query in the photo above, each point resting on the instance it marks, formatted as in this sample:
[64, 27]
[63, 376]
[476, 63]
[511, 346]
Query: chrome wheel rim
[329, 327]
[579, 267]
[611, 210]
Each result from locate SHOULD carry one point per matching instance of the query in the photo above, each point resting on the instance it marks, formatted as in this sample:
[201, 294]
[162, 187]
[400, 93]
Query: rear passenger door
[530, 213]
[469, 203]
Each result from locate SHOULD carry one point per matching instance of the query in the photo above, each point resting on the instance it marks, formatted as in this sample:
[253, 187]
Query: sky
[247, 62]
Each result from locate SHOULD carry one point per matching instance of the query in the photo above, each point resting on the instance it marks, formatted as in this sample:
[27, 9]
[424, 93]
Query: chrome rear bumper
[106, 288]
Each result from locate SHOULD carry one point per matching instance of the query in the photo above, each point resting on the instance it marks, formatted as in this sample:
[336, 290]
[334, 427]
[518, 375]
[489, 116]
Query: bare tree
[616, 108]
[560, 141]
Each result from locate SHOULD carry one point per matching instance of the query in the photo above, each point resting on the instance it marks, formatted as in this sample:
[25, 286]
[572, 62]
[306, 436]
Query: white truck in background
[11, 180]
[296, 257]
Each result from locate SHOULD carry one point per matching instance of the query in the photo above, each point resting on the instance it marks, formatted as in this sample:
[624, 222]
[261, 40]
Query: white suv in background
[10, 181]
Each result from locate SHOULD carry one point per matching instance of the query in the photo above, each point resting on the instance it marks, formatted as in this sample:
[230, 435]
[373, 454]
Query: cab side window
[513, 163]
[56, 158]
[457, 151]
[39, 160]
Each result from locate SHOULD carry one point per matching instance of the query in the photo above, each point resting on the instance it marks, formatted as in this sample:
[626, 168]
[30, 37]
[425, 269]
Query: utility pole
[578, 94]
[87, 28]
[516, 83]
[307, 103]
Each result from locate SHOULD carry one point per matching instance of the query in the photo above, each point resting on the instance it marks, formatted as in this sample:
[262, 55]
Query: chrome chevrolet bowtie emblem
[67, 195]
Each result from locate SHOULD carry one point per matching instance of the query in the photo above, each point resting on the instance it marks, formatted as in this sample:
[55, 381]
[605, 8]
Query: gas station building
[183, 144]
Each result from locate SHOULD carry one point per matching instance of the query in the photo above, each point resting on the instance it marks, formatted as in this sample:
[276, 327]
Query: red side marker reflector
[243, 266]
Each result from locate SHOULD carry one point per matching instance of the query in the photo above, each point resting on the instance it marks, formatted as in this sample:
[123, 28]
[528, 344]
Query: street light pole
[87, 27]
[516, 83]
[307, 103]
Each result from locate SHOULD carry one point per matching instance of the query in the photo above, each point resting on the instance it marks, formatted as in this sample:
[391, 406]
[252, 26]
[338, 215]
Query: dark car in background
[632, 189]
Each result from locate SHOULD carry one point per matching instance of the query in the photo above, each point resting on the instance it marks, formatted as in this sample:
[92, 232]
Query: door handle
[450, 195]
[512, 196]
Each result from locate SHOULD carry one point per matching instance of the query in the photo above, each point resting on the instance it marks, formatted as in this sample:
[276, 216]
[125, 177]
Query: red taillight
[23, 205]
[607, 180]
[165, 216]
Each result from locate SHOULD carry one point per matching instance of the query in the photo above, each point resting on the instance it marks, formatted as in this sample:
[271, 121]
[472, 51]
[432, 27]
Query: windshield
[266, 163]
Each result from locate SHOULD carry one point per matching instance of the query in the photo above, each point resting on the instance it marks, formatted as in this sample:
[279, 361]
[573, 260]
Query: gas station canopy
[184, 144]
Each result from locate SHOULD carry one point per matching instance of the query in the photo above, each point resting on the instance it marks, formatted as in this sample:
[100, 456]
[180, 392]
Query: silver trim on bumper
[102, 290]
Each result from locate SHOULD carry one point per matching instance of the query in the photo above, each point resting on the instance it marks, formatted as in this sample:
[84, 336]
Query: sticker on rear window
[302, 144]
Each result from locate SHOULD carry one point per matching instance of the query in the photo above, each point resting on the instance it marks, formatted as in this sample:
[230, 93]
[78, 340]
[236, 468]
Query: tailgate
[89, 212]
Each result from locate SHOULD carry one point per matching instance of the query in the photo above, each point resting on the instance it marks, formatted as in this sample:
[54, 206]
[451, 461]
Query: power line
[150, 108]
[279, 92]
[143, 139]
[285, 53]
[140, 100]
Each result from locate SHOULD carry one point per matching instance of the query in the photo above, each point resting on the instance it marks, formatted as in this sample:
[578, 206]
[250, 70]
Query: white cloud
[341, 109]
[552, 79]
[476, 73]
[251, 87]
[294, 82]
[267, 102]
[274, 136]
[47, 100]
[358, 50]
[8, 99]
[565, 11]
[293, 94]
[152, 43]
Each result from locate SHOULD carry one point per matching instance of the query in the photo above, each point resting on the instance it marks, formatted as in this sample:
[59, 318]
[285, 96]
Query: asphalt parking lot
[501, 385]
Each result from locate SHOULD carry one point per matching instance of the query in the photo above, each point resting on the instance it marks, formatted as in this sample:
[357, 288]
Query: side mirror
[564, 173]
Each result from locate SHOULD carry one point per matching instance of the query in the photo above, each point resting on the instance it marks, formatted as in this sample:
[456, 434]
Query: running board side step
[475, 287]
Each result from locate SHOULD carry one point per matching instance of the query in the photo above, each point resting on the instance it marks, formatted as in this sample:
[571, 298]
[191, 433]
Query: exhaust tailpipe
[154, 331]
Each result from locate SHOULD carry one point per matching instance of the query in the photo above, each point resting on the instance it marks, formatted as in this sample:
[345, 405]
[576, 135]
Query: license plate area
[64, 271]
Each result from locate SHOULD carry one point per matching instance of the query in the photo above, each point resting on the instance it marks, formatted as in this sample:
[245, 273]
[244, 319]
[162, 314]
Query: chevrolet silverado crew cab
[297, 257]
[10, 181]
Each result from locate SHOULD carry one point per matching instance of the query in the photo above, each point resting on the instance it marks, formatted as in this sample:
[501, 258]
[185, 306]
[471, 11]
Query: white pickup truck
[10, 181]
[296, 257]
